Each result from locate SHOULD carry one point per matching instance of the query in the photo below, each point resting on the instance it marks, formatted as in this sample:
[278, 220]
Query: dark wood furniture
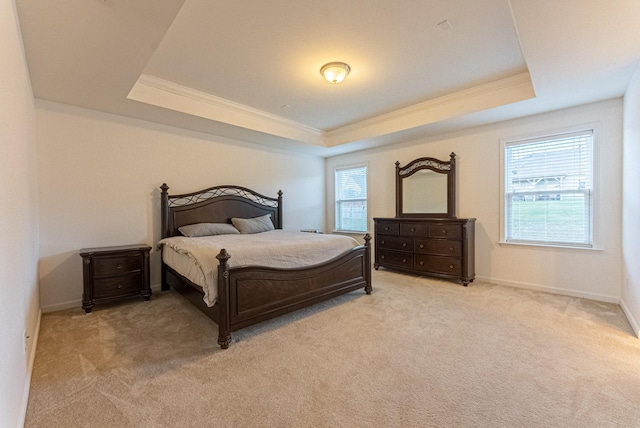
[251, 294]
[437, 247]
[425, 237]
[114, 273]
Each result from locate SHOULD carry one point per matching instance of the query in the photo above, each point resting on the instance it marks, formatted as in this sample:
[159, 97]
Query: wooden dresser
[442, 247]
[114, 273]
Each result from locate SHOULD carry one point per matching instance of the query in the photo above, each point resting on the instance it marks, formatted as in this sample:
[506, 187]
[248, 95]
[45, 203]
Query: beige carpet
[416, 353]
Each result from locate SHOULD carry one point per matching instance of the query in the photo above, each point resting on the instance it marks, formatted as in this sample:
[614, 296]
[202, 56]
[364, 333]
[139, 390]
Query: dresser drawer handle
[119, 285]
[421, 262]
[382, 257]
[381, 242]
[450, 248]
[404, 244]
[413, 229]
[119, 266]
[450, 266]
[404, 260]
[444, 231]
[421, 245]
[386, 228]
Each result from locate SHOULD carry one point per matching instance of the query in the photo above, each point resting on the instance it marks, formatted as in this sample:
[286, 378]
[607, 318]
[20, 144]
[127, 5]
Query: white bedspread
[276, 248]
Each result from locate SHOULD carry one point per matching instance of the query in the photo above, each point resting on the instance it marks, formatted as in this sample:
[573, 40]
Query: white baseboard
[78, 303]
[60, 306]
[573, 293]
[634, 324]
[32, 357]
[553, 290]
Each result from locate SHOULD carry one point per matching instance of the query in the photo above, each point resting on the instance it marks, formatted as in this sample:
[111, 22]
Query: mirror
[425, 187]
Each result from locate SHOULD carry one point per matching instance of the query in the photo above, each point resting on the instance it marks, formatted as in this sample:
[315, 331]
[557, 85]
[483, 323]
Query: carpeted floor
[416, 353]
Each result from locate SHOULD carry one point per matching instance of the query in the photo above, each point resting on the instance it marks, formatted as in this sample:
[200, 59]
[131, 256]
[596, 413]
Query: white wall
[585, 273]
[100, 175]
[631, 204]
[19, 305]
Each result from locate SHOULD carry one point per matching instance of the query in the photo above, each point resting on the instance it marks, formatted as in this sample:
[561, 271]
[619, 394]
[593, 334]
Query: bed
[248, 294]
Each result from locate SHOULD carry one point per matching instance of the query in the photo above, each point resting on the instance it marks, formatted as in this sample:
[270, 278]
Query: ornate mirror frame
[437, 166]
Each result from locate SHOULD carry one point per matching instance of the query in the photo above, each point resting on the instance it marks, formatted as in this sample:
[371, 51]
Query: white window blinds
[351, 199]
[549, 190]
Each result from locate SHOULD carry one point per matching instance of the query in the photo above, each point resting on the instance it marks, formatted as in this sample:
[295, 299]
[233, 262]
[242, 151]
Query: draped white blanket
[276, 248]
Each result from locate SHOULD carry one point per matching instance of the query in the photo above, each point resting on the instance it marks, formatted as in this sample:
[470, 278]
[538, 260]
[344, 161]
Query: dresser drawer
[117, 265]
[413, 229]
[444, 230]
[441, 247]
[117, 286]
[387, 227]
[398, 259]
[395, 243]
[445, 265]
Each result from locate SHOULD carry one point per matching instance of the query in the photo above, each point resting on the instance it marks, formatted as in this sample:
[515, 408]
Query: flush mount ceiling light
[335, 72]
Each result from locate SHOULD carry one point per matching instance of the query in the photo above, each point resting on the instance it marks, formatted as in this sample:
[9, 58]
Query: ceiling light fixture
[335, 72]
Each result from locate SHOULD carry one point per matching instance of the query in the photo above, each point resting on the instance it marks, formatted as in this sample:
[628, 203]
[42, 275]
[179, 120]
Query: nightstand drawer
[117, 265]
[111, 273]
[117, 286]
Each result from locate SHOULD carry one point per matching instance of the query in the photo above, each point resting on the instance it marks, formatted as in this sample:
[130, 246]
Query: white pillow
[207, 229]
[253, 225]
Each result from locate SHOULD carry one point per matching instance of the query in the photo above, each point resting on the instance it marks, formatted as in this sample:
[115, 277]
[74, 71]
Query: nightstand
[115, 273]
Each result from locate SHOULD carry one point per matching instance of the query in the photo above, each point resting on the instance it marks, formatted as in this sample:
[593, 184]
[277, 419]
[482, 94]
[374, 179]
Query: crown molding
[163, 93]
[482, 97]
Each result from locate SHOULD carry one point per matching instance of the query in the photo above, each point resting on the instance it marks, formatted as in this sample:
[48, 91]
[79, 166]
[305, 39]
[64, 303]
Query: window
[548, 190]
[351, 199]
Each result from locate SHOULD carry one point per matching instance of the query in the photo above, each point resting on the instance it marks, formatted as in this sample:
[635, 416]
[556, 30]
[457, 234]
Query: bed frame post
[279, 226]
[164, 232]
[367, 260]
[224, 335]
[164, 210]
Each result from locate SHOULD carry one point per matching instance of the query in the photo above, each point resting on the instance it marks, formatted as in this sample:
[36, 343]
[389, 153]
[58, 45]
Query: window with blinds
[548, 184]
[351, 199]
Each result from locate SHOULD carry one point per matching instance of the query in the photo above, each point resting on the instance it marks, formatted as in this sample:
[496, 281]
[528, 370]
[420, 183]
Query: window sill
[548, 246]
[351, 232]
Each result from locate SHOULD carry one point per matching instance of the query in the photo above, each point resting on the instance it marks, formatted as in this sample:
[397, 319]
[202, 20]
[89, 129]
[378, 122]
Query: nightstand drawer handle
[381, 242]
[413, 229]
[421, 262]
[404, 260]
[404, 244]
[382, 257]
[444, 231]
[119, 285]
[450, 248]
[386, 228]
[450, 266]
[119, 266]
[421, 245]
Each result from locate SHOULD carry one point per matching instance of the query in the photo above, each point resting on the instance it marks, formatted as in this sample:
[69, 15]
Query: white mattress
[195, 258]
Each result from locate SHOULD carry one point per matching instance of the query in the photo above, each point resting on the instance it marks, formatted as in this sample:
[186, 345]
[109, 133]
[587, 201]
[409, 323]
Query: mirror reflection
[425, 192]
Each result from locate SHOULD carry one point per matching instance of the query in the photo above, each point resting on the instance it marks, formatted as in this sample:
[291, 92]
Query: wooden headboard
[215, 205]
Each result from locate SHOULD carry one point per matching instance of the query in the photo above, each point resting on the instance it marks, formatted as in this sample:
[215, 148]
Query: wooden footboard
[251, 294]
